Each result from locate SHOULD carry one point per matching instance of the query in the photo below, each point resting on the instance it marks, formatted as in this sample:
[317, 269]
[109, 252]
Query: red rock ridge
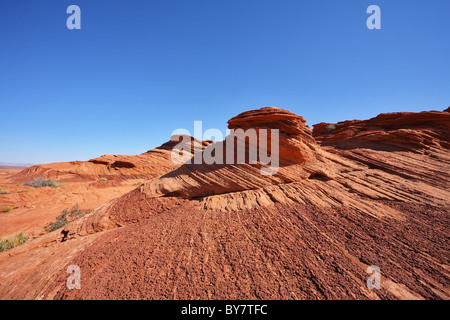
[143, 166]
[299, 158]
[373, 192]
[392, 131]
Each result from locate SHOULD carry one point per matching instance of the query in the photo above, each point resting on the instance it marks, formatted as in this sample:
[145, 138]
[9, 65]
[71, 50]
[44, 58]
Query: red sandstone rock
[299, 158]
[146, 165]
[392, 131]
[367, 192]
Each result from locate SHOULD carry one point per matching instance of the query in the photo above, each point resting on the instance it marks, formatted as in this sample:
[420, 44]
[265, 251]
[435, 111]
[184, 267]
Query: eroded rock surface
[346, 196]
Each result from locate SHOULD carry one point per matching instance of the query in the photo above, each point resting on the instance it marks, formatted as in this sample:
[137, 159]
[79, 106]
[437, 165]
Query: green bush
[40, 182]
[22, 191]
[103, 179]
[140, 182]
[65, 217]
[4, 191]
[16, 240]
[6, 209]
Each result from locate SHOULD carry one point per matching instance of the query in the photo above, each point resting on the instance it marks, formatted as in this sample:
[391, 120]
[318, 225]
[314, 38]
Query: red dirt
[372, 192]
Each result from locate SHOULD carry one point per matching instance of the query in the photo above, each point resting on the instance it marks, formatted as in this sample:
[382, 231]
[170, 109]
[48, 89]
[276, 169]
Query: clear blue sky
[139, 69]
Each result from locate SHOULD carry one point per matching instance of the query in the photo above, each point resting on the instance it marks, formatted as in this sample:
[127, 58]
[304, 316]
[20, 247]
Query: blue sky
[137, 70]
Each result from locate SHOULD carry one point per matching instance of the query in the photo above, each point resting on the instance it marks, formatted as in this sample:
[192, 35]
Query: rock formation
[300, 157]
[146, 165]
[346, 196]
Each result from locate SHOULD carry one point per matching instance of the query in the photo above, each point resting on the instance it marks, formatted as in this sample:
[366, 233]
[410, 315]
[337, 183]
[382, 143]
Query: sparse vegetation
[103, 179]
[4, 191]
[6, 209]
[331, 127]
[14, 241]
[41, 182]
[140, 182]
[22, 191]
[65, 217]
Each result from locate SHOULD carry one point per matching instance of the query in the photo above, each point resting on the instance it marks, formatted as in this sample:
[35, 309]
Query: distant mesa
[14, 166]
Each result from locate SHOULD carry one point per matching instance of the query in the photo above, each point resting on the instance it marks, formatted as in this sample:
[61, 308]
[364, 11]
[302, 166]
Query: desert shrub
[22, 191]
[41, 182]
[4, 191]
[140, 182]
[6, 209]
[65, 217]
[103, 179]
[331, 127]
[14, 241]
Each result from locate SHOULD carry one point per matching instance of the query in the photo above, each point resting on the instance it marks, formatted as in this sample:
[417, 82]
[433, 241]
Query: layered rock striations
[297, 156]
[146, 165]
[346, 196]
